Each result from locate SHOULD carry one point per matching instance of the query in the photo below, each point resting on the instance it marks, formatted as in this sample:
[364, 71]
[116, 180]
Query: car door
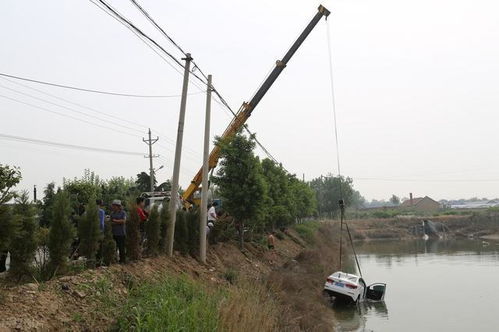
[376, 292]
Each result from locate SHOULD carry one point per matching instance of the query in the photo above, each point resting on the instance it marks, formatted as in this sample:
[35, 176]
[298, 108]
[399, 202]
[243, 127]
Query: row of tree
[43, 238]
[262, 195]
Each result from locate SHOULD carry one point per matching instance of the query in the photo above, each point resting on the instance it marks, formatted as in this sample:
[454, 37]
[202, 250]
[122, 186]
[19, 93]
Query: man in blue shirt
[102, 214]
[118, 221]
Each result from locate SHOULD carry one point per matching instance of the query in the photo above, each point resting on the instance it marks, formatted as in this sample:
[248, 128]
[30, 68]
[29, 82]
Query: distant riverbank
[484, 226]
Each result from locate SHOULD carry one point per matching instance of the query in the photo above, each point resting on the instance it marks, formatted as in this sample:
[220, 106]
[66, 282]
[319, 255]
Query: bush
[89, 232]
[192, 219]
[108, 245]
[153, 232]
[230, 275]
[133, 249]
[181, 239]
[307, 230]
[61, 233]
[164, 220]
[171, 304]
[23, 245]
[7, 227]
[42, 256]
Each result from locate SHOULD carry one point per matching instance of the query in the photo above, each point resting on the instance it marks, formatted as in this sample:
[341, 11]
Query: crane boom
[245, 110]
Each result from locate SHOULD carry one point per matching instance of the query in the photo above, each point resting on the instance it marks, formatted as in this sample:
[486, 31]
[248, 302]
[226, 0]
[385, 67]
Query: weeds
[174, 304]
[230, 275]
[307, 230]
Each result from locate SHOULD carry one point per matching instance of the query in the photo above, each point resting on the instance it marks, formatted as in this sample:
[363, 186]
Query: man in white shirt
[212, 215]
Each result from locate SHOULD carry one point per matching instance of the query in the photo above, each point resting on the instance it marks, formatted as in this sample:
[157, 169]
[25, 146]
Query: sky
[416, 88]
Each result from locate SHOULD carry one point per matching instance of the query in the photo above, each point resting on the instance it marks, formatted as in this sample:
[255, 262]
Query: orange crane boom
[245, 110]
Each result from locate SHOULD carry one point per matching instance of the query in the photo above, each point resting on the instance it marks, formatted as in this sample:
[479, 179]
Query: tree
[47, 204]
[9, 178]
[303, 199]
[143, 182]
[108, 245]
[81, 190]
[329, 190]
[240, 181]
[23, 245]
[61, 233]
[165, 186]
[118, 187]
[7, 229]
[89, 232]
[133, 247]
[153, 232]
[395, 200]
[164, 220]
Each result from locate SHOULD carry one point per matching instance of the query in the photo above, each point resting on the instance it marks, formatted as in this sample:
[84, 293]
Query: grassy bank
[184, 304]
[256, 289]
[171, 304]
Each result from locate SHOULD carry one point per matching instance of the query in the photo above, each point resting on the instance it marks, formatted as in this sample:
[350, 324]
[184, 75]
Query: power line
[139, 33]
[67, 108]
[222, 101]
[86, 89]
[68, 146]
[148, 41]
[65, 115]
[113, 117]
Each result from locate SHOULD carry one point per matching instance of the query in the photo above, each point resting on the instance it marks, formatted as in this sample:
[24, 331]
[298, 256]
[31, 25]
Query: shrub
[6, 227]
[153, 232]
[89, 232]
[164, 219]
[42, 256]
[230, 275]
[192, 219]
[23, 245]
[307, 230]
[181, 239]
[61, 233]
[133, 238]
[108, 245]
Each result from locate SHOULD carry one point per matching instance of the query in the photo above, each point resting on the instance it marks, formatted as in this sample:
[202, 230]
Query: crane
[247, 108]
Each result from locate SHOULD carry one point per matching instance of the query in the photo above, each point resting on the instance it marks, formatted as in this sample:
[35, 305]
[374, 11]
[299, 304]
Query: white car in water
[351, 288]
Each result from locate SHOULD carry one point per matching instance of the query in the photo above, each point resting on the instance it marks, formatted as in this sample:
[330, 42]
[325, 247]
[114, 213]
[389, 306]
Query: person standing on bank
[143, 216]
[212, 215]
[118, 222]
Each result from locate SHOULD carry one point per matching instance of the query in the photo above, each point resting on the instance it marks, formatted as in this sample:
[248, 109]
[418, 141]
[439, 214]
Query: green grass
[174, 304]
[307, 230]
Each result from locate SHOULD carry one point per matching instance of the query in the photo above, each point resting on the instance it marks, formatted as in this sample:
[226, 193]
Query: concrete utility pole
[178, 155]
[204, 185]
[150, 142]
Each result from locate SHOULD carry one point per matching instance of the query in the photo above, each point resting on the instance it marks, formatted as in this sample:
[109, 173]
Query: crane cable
[341, 202]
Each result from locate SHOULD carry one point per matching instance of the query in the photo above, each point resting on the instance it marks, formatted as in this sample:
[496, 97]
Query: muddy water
[439, 285]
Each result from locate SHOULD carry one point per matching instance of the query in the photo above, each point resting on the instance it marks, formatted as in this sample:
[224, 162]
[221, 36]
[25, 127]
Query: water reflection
[354, 317]
[388, 253]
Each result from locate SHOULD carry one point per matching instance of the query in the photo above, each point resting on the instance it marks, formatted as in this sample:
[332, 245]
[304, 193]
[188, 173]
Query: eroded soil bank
[288, 282]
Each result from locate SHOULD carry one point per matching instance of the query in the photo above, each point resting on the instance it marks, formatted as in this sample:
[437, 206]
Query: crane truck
[247, 108]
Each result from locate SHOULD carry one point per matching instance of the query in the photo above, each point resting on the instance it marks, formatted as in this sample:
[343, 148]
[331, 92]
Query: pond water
[434, 285]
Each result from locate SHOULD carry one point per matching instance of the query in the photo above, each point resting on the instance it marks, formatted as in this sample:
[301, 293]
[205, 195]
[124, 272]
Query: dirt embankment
[291, 277]
[480, 226]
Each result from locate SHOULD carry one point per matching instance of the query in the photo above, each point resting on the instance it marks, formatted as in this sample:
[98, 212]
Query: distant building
[420, 204]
